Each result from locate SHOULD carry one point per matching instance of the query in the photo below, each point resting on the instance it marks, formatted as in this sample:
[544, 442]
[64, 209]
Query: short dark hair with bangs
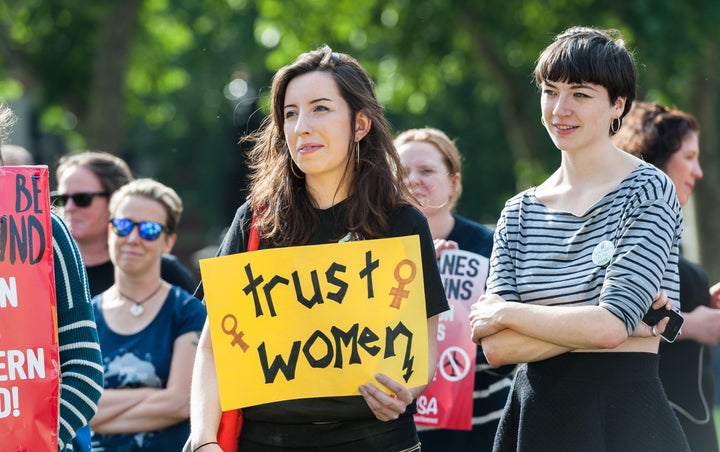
[590, 55]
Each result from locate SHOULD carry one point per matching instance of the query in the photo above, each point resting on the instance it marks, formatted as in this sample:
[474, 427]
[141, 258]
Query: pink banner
[448, 401]
[29, 367]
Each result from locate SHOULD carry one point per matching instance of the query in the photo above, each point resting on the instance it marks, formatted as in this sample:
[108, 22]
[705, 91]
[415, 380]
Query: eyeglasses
[148, 230]
[80, 199]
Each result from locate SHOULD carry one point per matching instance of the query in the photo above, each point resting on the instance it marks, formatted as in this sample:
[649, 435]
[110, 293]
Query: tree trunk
[102, 125]
[707, 197]
[515, 110]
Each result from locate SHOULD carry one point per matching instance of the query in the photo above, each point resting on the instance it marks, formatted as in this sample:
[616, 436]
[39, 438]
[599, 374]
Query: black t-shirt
[101, 277]
[691, 393]
[405, 221]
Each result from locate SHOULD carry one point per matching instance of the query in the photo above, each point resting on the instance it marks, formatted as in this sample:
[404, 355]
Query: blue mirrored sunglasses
[148, 230]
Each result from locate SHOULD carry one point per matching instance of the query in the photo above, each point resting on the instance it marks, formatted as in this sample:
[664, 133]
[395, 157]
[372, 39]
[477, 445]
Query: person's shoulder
[243, 214]
[175, 272]
[96, 303]
[408, 214]
[57, 222]
[472, 236]
[516, 202]
[647, 182]
[647, 173]
[170, 258]
[407, 220]
[472, 226]
[408, 211]
[172, 263]
[60, 231]
[245, 208]
[184, 299]
[179, 293]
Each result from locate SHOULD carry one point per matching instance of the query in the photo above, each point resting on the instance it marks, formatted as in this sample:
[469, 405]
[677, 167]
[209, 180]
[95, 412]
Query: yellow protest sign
[316, 321]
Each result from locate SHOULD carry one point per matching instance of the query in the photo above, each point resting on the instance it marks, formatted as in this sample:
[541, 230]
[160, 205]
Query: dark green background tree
[170, 85]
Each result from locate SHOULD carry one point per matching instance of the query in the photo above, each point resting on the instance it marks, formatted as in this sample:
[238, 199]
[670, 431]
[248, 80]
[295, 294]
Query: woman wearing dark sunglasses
[148, 328]
[86, 181]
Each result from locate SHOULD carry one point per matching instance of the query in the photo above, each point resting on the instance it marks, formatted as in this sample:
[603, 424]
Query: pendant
[136, 310]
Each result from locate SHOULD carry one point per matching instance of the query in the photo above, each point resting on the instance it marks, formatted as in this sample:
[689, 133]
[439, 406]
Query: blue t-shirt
[143, 360]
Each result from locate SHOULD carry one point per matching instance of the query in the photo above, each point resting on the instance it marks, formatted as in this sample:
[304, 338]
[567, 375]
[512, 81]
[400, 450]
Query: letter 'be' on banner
[29, 369]
[316, 321]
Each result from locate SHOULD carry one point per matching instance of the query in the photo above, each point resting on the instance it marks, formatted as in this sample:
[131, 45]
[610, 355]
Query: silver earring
[615, 125]
[357, 154]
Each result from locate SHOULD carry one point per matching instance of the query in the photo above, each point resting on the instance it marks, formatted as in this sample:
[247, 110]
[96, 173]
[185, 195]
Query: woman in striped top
[580, 259]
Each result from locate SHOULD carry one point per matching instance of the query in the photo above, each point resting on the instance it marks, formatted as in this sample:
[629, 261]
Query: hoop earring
[615, 125]
[292, 169]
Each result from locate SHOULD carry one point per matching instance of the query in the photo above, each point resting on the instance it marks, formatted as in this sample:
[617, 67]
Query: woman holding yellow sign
[324, 171]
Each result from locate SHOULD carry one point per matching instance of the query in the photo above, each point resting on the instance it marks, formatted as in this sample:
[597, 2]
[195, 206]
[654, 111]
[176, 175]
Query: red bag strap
[232, 420]
[254, 238]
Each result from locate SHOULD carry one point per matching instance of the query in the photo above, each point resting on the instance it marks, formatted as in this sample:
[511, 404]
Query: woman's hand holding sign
[386, 407]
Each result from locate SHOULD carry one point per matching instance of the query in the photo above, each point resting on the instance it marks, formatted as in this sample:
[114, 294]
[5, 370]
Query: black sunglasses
[148, 230]
[80, 199]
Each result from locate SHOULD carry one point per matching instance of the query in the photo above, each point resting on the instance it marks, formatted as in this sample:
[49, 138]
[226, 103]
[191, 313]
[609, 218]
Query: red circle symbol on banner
[455, 364]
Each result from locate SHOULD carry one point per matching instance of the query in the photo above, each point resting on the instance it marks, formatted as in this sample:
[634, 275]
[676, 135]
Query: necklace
[137, 309]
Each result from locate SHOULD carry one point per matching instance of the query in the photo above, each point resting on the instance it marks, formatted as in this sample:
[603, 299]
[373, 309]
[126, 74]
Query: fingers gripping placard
[316, 321]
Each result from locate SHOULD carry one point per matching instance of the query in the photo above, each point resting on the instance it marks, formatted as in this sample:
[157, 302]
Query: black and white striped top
[544, 256]
[81, 366]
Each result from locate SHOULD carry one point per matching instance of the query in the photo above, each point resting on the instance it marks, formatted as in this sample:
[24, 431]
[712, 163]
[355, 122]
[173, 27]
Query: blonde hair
[446, 147]
[156, 191]
[7, 120]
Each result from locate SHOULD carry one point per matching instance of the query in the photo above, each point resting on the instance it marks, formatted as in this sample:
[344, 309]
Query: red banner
[448, 401]
[29, 367]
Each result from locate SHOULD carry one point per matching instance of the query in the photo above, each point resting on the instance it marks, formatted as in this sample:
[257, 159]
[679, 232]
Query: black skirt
[347, 436]
[590, 402]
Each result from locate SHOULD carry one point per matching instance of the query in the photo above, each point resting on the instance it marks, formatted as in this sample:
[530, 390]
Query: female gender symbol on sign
[233, 331]
[399, 292]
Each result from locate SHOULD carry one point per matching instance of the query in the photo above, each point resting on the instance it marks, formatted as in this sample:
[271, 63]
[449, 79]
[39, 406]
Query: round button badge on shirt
[603, 252]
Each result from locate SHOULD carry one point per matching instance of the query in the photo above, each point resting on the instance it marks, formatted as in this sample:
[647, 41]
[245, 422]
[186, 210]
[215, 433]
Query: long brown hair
[284, 210]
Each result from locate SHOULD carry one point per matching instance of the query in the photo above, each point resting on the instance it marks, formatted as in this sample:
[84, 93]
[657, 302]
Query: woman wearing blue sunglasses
[148, 328]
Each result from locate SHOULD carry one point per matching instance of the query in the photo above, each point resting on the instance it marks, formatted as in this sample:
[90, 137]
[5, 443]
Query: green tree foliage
[172, 84]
